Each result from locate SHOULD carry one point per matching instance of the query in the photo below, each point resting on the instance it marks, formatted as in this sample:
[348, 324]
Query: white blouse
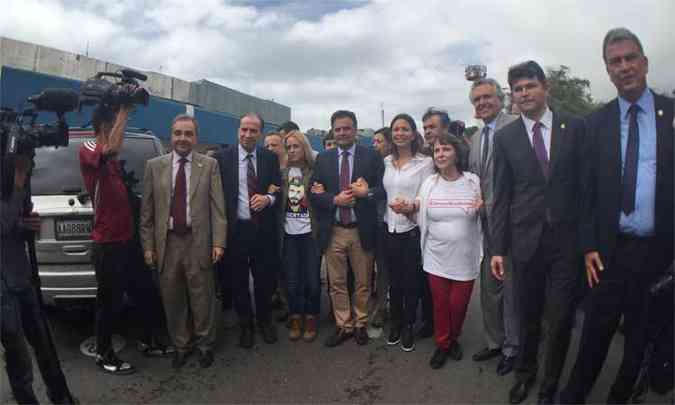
[404, 183]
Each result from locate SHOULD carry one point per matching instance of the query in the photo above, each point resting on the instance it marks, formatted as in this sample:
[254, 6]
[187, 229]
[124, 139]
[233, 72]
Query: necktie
[345, 214]
[252, 184]
[631, 161]
[485, 146]
[540, 148]
[179, 207]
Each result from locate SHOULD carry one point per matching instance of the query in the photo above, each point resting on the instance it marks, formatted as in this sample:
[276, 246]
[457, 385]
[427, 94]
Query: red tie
[345, 212]
[540, 148]
[252, 185]
[179, 208]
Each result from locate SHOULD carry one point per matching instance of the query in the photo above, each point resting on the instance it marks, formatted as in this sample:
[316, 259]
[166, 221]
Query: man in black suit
[247, 172]
[534, 217]
[626, 228]
[351, 176]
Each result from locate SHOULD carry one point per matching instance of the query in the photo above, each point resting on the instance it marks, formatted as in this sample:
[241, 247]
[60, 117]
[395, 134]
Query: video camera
[19, 134]
[98, 90]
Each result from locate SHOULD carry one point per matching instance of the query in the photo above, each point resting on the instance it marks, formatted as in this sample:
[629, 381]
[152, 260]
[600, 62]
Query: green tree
[469, 131]
[570, 94]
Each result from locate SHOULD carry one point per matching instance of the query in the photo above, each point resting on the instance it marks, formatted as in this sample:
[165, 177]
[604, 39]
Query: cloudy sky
[319, 56]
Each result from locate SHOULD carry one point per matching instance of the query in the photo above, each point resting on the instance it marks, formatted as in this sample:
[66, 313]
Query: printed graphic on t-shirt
[297, 199]
[465, 203]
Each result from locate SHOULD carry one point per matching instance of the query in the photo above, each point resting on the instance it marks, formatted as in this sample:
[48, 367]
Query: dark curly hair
[461, 151]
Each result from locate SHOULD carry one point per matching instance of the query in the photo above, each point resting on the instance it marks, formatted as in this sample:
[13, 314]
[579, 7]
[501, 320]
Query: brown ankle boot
[310, 328]
[296, 327]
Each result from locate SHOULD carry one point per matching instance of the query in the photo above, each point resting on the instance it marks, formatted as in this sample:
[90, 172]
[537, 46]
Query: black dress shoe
[438, 359]
[486, 354]
[338, 337]
[361, 336]
[505, 365]
[269, 332]
[246, 337]
[206, 359]
[520, 391]
[425, 331]
[455, 351]
[179, 359]
[545, 399]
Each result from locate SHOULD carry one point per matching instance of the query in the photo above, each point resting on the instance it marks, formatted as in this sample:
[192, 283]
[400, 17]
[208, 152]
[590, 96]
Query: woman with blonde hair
[299, 247]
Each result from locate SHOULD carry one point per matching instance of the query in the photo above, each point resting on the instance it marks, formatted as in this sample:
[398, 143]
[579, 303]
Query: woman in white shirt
[404, 171]
[447, 206]
[299, 229]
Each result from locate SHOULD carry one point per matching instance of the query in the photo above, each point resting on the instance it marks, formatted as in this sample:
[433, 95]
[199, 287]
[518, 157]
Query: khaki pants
[188, 295]
[346, 245]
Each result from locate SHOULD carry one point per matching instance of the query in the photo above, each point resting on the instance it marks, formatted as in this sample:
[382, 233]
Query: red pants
[451, 300]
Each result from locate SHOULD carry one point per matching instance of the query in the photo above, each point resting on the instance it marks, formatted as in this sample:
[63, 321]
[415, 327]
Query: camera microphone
[56, 100]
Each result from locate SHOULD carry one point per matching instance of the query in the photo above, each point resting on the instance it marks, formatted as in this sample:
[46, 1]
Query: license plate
[73, 228]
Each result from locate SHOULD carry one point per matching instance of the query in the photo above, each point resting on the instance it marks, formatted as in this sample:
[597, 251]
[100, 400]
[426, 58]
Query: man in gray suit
[183, 231]
[497, 299]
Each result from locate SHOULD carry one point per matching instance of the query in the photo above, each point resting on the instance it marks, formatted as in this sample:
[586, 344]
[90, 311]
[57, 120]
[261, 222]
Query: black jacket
[267, 171]
[367, 164]
[601, 202]
[525, 200]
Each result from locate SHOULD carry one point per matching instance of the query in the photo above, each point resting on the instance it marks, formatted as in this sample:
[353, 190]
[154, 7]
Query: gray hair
[620, 34]
[187, 117]
[493, 83]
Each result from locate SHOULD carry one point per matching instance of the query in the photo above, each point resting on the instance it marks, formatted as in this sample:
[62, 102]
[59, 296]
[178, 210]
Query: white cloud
[319, 56]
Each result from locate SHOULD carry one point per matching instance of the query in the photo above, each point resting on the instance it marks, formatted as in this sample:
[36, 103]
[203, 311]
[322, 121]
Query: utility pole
[382, 112]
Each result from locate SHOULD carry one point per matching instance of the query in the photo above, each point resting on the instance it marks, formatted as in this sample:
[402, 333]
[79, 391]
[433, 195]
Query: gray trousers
[497, 299]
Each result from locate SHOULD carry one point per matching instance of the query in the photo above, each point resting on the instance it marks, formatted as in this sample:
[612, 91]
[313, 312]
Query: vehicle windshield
[57, 170]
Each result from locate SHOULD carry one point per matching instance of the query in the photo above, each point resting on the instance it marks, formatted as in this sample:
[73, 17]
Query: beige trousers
[188, 295]
[346, 245]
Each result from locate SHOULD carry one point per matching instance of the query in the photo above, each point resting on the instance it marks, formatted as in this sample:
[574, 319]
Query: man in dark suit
[247, 172]
[534, 220]
[626, 228]
[351, 176]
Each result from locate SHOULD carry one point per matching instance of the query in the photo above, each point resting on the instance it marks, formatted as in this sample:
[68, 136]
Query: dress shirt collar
[350, 150]
[646, 103]
[493, 124]
[243, 153]
[177, 158]
[546, 120]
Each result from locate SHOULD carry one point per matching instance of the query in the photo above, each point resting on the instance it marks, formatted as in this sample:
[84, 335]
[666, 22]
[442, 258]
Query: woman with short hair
[447, 214]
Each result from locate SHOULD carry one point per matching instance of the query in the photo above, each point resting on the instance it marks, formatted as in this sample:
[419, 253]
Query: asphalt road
[297, 372]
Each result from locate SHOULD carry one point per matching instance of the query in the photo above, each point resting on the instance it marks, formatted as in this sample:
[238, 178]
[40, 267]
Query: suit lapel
[195, 173]
[335, 173]
[557, 132]
[259, 167]
[356, 166]
[234, 198]
[166, 180]
[613, 126]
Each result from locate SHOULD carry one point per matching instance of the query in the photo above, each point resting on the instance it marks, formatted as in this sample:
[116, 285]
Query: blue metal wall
[16, 85]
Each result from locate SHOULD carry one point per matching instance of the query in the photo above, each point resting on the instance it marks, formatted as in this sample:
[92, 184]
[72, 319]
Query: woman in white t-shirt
[447, 214]
[299, 229]
[404, 171]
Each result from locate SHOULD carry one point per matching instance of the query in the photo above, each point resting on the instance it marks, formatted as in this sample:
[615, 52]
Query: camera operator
[113, 227]
[22, 316]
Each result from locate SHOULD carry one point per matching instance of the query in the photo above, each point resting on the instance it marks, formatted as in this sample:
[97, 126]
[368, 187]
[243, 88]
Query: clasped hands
[348, 196]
